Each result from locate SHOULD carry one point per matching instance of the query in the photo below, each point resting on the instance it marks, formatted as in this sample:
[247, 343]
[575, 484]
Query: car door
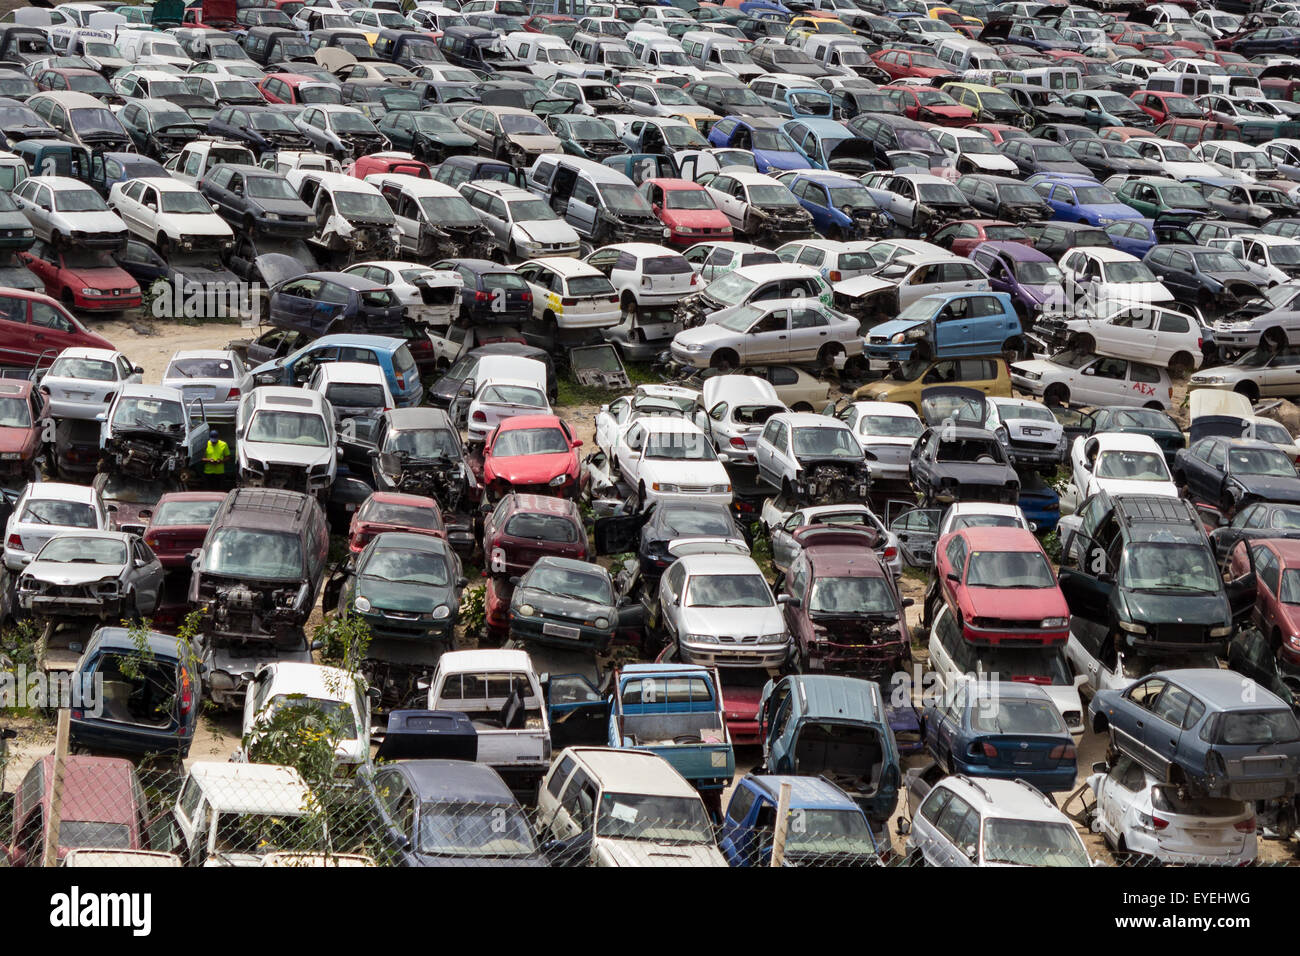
[145, 576]
[628, 453]
[917, 531]
[1131, 716]
[768, 339]
[784, 548]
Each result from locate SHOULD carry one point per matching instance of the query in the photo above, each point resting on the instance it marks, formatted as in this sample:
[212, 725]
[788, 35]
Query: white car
[215, 378]
[339, 696]
[1086, 379]
[1278, 257]
[733, 410]
[67, 211]
[1177, 159]
[835, 260]
[570, 297]
[522, 225]
[44, 509]
[646, 401]
[1139, 814]
[982, 514]
[670, 459]
[285, 438]
[499, 399]
[645, 275]
[719, 609]
[1028, 431]
[798, 451]
[353, 389]
[1151, 334]
[1095, 276]
[1119, 463]
[973, 152]
[887, 433]
[82, 382]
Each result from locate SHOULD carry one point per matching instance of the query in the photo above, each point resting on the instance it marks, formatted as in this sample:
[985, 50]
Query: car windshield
[653, 818]
[288, 428]
[15, 413]
[1032, 843]
[423, 443]
[452, 211]
[523, 124]
[531, 210]
[728, 590]
[63, 514]
[1253, 728]
[356, 395]
[78, 200]
[1035, 273]
[1169, 566]
[477, 830]
[1182, 197]
[70, 549]
[254, 553]
[320, 94]
[200, 368]
[1132, 466]
[1218, 262]
[1268, 462]
[1009, 569]
[363, 206]
[851, 596]
[570, 583]
[766, 196]
[624, 199]
[349, 122]
[333, 714]
[405, 564]
[890, 426]
[1015, 715]
[688, 199]
[941, 193]
[170, 513]
[985, 451]
[94, 370]
[93, 835]
[540, 526]
[1128, 272]
[269, 187]
[95, 123]
[149, 413]
[1143, 418]
[184, 202]
[825, 442]
[530, 441]
[679, 446]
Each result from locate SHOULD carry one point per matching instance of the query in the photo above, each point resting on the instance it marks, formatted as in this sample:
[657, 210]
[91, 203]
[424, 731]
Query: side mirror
[577, 443]
[514, 580]
[953, 576]
[138, 370]
[462, 582]
[1106, 577]
[908, 602]
[1101, 766]
[903, 827]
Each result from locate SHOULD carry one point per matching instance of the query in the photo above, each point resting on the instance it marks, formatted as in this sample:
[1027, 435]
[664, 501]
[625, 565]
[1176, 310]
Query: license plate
[559, 630]
[1033, 431]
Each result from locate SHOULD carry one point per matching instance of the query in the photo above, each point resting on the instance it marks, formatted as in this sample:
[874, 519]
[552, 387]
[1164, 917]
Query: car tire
[1249, 389]
[1056, 394]
[826, 354]
[801, 407]
[724, 360]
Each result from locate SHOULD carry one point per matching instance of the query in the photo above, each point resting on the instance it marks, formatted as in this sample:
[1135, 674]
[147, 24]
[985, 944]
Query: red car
[394, 511]
[903, 63]
[532, 453]
[1001, 587]
[1162, 105]
[688, 210]
[34, 328]
[86, 279]
[1276, 564]
[23, 408]
[179, 522]
[367, 165]
[1137, 35]
[962, 237]
[523, 528]
[928, 105]
[999, 132]
[556, 24]
[298, 90]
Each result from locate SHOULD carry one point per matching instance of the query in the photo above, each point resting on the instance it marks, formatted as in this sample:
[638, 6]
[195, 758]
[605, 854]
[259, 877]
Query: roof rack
[970, 781]
[1153, 509]
[268, 499]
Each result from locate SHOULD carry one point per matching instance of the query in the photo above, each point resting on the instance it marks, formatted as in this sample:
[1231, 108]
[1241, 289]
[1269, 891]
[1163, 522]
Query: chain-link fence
[109, 812]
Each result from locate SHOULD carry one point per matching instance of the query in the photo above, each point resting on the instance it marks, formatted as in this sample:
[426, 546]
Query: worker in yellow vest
[215, 457]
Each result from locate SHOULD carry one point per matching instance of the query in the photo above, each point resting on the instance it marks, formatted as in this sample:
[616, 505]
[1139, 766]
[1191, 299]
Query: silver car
[45, 509]
[782, 527]
[102, 574]
[82, 383]
[780, 330]
[216, 378]
[718, 609]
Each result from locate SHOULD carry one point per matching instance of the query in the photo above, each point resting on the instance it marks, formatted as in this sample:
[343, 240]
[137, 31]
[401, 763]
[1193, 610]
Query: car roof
[633, 771]
[1224, 689]
[806, 793]
[1004, 799]
[460, 780]
[809, 420]
[458, 662]
[1001, 539]
[252, 787]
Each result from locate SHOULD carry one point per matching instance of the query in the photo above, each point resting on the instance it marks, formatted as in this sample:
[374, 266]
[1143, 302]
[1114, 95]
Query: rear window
[403, 364]
[1258, 727]
[542, 527]
[186, 512]
[590, 285]
[667, 266]
[508, 281]
[352, 395]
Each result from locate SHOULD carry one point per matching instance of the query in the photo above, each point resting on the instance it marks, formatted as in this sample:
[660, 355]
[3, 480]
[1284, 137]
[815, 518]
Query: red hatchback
[523, 528]
[904, 63]
[1276, 565]
[536, 453]
[962, 237]
[86, 279]
[1001, 587]
[688, 210]
[393, 511]
[179, 522]
[34, 329]
[23, 408]
[928, 105]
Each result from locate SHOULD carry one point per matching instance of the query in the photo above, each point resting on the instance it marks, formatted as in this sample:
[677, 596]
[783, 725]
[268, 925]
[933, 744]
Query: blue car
[947, 325]
[390, 354]
[1080, 199]
[828, 144]
[1004, 730]
[1134, 236]
[1040, 502]
[832, 828]
[772, 147]
[840, 206]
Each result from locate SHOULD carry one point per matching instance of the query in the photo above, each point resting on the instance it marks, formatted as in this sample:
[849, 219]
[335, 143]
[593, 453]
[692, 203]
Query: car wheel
[724, 360]
[801, 407]
[1180, 366]
[826, 355]
[1274, 338]
[1056, 394]
[1249, 389]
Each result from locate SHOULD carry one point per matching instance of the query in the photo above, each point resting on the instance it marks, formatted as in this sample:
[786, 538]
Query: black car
[586, 136]
[267, 45]
[322, 303]
[19, 122]
[781, 58]
[728, 97]
[652, 531]
[158, 128]
[1230, 473]
[1140, 571]
[1055, 239]
[1001, 197]
[375, 100]
[886, 133]
[1032, 155]
[1153, 423]
[1108, 157]
[16, 85]
[493, 294]
[962, 463]
[445, 91]
[1212, 278]
[253, 199]
[476, 49]
[427, 136]
[1065, 133]
[458, 169]
[261, 128]
[1042, 105]
[562, 602]
[1259, 519]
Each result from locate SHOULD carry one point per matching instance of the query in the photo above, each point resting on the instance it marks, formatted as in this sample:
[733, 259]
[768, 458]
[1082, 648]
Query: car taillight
[401, 380]
[575, 301]
[15, 541]
[835, 275]
[1030, 679]
[151, 539]
[482, 297]
[1062, 752]
[891, 553]
[1245, 826]
[737, 442]
[526, 297]
[695, 278]
[1199, 341]
[1158, 823]
[234, 392]
[645, 281]
[187, 698]
[480, 417]
[983, 747]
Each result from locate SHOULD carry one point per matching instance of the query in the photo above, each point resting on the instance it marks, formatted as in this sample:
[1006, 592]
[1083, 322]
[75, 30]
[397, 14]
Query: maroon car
[393, 511]
[129, 501]
[1276, 565]
[842, 605]
[178, 523]
[523, 528]
[22, 408]
[103, 808]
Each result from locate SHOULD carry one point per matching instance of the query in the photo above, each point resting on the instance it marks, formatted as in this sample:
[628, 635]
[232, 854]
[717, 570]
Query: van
[149, 48]
[1058, 78]
[961, 55]
[1188, 84]
[433, 218]
[620, 807]
[606, 51]
[602, 204]
[718, 53]
[658, 51]
[845, 55]
[540, 53]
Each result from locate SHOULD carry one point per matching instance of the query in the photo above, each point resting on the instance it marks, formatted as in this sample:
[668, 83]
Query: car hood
[737, 621]
[1016, 602]
[529, 469]
[696, 218]
[685, 472]
[535, 142]
[272, 452]
[1209, 609]
[57, 572]
[647, 853]
[893, 327]
[1269, 489]
[548, 230]
[94, 221]
[710, 333]
[109, 277]
[991, 161]
[402, 595]
[548, 603]
[861, 285]
[14, 439]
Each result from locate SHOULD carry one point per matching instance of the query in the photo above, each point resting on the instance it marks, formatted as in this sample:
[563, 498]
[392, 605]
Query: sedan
[103, 574]
[782, 330]
[178, 523]
[215, 378]
[406, 587]
[560, 602]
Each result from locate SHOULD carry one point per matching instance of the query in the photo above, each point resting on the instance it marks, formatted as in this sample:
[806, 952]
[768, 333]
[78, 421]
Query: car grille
[729, 639]
[1032, 445]
[1177, 634]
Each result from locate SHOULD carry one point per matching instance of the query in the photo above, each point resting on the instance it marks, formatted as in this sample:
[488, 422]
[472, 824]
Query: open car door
[578, 712]
[917, 531]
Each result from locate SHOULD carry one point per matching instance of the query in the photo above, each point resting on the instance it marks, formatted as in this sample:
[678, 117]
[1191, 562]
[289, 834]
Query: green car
[586, 136]
[407, 587]
[430, 137]
[1153, 195]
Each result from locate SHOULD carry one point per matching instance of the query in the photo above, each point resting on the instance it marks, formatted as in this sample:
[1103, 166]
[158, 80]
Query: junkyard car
[812, 459]
[104, 574]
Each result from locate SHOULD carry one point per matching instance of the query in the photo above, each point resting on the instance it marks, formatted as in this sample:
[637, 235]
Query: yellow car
[989, 375]
[806, 26]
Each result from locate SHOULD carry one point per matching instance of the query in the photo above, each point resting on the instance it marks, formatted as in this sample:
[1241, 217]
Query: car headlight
[1104, 220]
[775, 638]
[1055, 622]
[1133, 627]
[701, 638]
[10, 456]
[527, 610]
[558, 480]
[92, 292]
[898, 338]
[441, 612]
[691, 347]
[273, 216]
[362, 604]
[1032, 376]
[601, 622]
[27, 233]
[719, 489]
[666, 487]
[134, 290]
[1220, 631]
[668, 233]
[1208, 380]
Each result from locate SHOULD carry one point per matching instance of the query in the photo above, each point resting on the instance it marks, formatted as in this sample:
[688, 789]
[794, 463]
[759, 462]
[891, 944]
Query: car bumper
[1024, 636]
[120, 738]
[105, 303]
[889, 353]
[1026, 385]
[533, 630]
[1022, 455]
[46, 605]
[404, 629]
[1151, 845]
[734, 655]
[1054, 780]
[710, 497]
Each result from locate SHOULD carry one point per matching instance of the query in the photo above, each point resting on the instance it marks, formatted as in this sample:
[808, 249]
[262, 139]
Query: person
[215, 457]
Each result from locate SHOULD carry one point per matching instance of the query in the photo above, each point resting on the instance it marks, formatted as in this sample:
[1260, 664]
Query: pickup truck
[948, 325]
[500, 693]
[675, 711]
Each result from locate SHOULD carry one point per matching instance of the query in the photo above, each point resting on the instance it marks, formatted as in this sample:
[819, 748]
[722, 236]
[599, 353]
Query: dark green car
[430, 137]
[1153, 195]
[562, 602]
[586, 136]
[406, 587]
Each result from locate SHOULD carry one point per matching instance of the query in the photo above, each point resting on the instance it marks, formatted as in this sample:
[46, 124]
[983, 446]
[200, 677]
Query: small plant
[297, 734]
[344, 640]
[473, 609]
[1052, 545]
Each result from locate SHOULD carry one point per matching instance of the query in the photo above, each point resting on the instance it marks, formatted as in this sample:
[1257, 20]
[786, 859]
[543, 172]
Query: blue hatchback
[1003, 730]
[831, 829]
[390, 354]
[1079, 199]
[772, 147]
[840, 206]
[1134, 236]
